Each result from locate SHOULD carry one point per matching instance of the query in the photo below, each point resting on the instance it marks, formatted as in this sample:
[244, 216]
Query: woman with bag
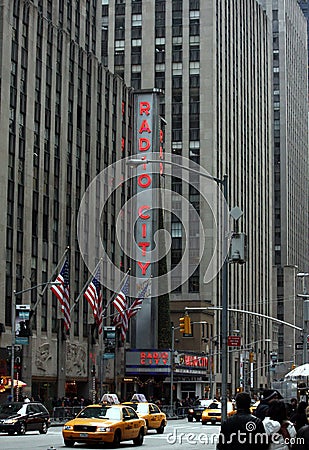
[278, 428]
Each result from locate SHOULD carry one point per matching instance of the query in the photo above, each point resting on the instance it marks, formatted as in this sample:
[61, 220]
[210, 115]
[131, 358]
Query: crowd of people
[275, 424]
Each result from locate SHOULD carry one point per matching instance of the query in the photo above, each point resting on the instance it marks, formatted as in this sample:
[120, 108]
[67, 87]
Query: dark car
[19, 417]
[195, 412]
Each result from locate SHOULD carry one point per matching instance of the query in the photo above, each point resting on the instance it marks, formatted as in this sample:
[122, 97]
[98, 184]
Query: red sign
[234, 341]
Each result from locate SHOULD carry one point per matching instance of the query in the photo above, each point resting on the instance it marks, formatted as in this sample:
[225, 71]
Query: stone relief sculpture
[76, 360]
[43, 355]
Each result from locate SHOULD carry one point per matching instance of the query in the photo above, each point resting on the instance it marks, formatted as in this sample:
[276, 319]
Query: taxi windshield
[214, 406]
[100, 412]
[142, 408]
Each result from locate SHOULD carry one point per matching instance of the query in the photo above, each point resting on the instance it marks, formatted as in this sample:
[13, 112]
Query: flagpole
[116, 291]
[50, 280]
[86, 284]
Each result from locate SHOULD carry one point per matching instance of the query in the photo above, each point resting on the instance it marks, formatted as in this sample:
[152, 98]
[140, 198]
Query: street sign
[300, 345]
[234, 341]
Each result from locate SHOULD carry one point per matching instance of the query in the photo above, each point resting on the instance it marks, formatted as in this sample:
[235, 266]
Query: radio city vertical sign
[148, 145]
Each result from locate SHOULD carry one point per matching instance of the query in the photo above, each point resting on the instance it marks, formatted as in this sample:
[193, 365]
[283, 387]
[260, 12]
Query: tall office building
[213, 61]
[64, 118]
[305, 8]
[290, 168]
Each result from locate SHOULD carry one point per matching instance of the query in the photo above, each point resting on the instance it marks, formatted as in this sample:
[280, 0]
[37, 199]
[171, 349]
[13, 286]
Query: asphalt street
[178, 435]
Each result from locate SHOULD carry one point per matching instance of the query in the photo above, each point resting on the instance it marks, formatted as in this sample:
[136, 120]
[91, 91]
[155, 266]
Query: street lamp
[13, 318]
[224, 284]
[305, 296]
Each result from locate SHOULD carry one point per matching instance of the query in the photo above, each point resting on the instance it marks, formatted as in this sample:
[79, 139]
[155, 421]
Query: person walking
[280, 430]
[299, 418]
[242, 430]
[301, 441]
[269, 395]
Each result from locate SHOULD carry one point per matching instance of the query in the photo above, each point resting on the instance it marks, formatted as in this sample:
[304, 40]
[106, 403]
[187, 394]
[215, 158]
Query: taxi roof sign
[110, 399]
[140, 398]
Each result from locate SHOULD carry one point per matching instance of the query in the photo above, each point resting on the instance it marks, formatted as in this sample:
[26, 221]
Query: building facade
[213, 61]
[64, 118]
[290, 170]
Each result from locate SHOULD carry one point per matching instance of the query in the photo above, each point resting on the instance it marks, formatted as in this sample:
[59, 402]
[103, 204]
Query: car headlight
[191, 411]
[68, 427]
[104, 429]
[10, 421]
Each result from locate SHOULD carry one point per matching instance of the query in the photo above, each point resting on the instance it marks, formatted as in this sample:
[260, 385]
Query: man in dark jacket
[242, 430]
[301, 441]
[268, 396]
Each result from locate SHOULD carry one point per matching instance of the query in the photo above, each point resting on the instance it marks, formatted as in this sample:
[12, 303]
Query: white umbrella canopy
[298, 373]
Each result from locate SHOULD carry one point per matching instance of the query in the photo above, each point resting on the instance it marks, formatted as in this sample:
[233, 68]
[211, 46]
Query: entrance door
[187, 390]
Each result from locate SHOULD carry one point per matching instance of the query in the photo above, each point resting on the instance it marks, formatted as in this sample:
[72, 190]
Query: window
[136, 20]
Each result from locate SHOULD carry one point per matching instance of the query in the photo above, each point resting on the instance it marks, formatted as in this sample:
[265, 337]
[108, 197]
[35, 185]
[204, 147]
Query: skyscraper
[213, 61]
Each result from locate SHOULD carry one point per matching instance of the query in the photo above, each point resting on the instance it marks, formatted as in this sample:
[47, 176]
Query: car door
[135, 422]
[155, 416]
[127, 426]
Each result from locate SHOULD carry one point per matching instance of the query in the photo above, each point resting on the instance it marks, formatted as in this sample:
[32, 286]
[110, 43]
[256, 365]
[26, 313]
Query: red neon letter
[144, 108]
[144, 230]
[144, 144]
[144, 127]
[140, 212]
[144, 246]
[144, 184]
[144, 267]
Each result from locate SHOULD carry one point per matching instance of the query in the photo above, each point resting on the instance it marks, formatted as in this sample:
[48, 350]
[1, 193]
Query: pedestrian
[292, 408]
[279, 429]
[242, 430]
[269, 395]
[302, 436]
[299, 418]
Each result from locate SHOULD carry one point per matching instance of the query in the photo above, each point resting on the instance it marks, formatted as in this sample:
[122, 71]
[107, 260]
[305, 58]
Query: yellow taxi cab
[154, 417]
[213, 412]
[112, 424]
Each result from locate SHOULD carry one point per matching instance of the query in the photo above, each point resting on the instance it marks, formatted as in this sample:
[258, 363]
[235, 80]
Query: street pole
[224, 282]
[305, 297]
[172, 370]
[13, 318]
[224, 311]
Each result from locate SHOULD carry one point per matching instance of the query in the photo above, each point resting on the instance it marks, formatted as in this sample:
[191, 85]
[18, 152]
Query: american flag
[62, 292]
[120, 302]
[138, 301]
[93, 294]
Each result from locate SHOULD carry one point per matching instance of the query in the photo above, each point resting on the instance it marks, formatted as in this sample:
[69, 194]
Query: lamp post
[224, 281]
[305, 296]
[13, 319]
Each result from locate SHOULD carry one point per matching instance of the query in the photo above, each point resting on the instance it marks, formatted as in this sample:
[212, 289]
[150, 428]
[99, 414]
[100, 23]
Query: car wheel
[68, 443]
[197, 419]
[160, 430]
[117, 439]
[43, 430]
[140, 438]
[21, 428]
[204, 423]
[190, 419]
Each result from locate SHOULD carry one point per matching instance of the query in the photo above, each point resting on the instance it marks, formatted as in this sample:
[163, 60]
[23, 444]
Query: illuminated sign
[193, 361]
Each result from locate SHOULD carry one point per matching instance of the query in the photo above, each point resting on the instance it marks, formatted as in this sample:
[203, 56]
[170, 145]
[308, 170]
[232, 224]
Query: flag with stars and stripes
[62, 292]
[138, 301]
[93, 294]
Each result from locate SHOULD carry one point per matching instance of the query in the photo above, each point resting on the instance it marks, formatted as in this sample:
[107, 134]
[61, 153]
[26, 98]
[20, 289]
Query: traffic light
[187, 324]
[182, 324]
[251, 357]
